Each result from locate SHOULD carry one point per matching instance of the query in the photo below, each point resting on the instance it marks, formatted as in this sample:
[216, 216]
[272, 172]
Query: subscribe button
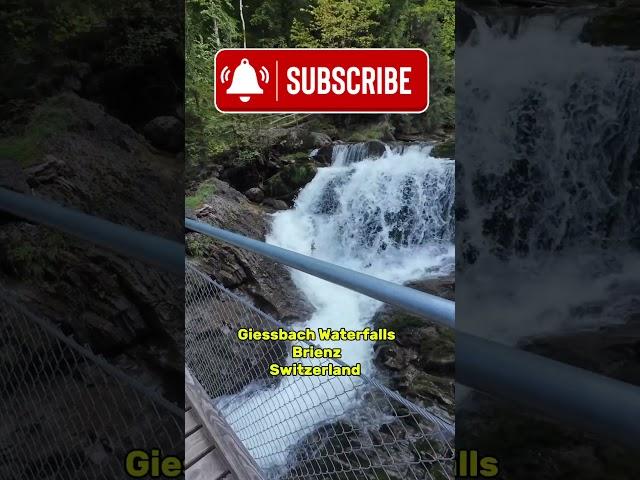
[322, 80]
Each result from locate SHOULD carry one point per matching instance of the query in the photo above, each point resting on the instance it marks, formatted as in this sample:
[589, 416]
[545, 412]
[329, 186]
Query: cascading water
[391, 217]
[550, 132]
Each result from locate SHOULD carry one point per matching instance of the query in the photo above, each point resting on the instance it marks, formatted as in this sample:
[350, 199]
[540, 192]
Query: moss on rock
[289, 179]
[53, 116]
[204, 191]
[444, 150]
[295, 157]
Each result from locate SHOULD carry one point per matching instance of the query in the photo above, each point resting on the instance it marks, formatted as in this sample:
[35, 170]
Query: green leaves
[340, 24]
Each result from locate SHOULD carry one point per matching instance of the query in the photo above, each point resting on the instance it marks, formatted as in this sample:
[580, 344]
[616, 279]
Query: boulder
[324, 155]
[292, 177]
[275, 203]
[315, 140]
[254, 194]
[165, 133]
[241, 177]
[286, 140]
[375, 148]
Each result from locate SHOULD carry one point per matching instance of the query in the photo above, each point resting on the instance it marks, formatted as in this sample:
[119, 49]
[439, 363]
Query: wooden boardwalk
[203, 460]
[212, 449]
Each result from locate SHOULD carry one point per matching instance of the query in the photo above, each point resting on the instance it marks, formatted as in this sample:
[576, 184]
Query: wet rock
[165, 133]
[362, 440]
[277, 204]
[517, 434]
[444, 287]
[446, 149]
[375, 148]
[106, 336]
[267, 284]
[426, 389]
[420, 362]
[255, 194]
[324, 155]
[612, 350]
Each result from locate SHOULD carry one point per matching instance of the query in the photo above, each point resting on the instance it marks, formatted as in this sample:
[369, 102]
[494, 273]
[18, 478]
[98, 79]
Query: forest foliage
[215, 24]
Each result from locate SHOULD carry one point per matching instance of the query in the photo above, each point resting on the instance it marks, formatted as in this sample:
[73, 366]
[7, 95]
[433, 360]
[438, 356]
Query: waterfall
[549, 132]
[391, 217]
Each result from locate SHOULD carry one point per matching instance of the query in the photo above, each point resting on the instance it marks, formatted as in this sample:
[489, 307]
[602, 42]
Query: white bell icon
[245, 81]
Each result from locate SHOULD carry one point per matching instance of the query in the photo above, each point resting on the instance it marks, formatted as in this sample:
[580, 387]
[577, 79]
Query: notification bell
[245, 81]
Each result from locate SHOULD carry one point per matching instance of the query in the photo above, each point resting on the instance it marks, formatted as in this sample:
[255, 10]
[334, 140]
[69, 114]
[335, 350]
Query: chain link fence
[299, 427]
[66, 413]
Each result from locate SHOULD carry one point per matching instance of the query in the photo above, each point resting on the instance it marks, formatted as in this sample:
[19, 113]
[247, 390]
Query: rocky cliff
[73, 153]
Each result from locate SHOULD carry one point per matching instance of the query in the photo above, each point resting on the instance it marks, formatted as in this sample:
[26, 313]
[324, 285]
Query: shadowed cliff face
[267, 284]
[85, 159]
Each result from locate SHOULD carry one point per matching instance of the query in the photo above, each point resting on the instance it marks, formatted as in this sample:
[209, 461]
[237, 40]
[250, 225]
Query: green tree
[429, 25]
[210, 25]
[270, 22]
[340, 23]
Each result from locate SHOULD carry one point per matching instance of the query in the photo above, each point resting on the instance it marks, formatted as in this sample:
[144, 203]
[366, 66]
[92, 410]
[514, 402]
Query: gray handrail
[570, 394]
[158, 251]
[409, 299]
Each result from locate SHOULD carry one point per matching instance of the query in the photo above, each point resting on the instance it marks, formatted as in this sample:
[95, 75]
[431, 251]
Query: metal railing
[297, 427]
[572, 395]
[67, 413]
[414, 301]
[157, 251]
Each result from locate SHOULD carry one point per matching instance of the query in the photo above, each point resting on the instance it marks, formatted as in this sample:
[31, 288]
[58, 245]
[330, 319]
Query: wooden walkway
[203, 460]
[212, 449]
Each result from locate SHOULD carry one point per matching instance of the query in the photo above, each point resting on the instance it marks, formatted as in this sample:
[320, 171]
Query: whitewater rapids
[391, 217]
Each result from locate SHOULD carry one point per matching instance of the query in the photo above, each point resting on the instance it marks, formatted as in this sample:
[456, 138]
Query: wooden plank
[195, 445]
[232, 449]
[209, 467]
[190, 422]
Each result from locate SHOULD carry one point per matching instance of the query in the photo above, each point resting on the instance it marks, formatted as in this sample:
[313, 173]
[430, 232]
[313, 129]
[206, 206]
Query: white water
[391, 217]
[569, 110]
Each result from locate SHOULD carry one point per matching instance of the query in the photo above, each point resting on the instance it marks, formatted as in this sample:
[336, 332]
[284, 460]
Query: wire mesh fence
[66, 413]
[304, 427]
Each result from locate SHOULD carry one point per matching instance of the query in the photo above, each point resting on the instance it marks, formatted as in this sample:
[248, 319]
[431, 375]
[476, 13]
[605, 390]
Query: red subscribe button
[285, 80]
